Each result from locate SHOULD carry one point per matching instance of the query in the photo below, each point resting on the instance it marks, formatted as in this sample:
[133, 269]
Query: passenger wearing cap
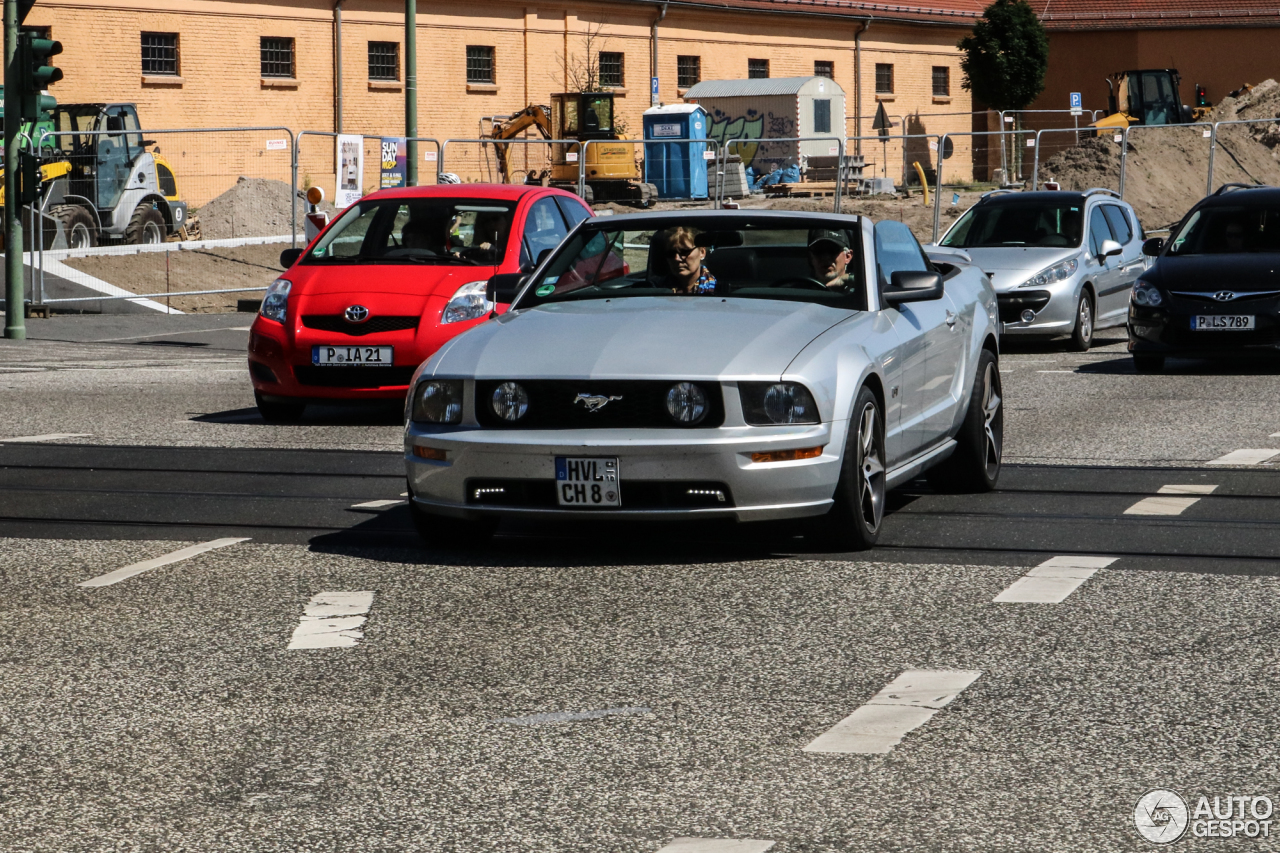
[829, 256]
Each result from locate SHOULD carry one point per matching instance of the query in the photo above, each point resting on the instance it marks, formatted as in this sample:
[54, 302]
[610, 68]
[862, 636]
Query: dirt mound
[254, 207]
[1167, 167]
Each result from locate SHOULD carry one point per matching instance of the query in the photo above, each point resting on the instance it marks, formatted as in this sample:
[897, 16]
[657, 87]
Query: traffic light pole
[14, 324]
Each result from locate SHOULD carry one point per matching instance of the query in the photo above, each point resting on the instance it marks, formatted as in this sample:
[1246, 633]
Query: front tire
[854, 520]
[1148, 363]
[974, 466]
[1082, 334]
[279, 412]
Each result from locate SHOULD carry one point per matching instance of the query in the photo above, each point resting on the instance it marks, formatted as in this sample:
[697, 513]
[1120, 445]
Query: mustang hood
[677, 337]
[1244, 272]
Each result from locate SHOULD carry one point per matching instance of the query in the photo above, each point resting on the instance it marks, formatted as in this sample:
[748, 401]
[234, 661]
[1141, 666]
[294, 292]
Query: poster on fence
[350, 170]
[395, 155]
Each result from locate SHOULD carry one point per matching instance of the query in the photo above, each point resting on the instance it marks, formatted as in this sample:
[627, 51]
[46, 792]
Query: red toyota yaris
[391, 280]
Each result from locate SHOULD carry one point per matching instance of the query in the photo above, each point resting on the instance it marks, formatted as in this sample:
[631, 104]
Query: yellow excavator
[1149, 97]
[611, 170]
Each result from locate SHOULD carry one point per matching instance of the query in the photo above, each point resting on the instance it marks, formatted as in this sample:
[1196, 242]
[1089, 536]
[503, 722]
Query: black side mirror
[503, 287]
[911, 286]
[1153, 247]
[289, 257]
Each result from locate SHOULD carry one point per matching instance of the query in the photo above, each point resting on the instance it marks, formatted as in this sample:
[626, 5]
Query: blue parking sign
[1075, 101]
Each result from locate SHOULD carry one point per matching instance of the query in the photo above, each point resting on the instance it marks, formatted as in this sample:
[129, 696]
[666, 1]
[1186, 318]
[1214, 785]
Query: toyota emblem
[356, 314]
[1224, 296]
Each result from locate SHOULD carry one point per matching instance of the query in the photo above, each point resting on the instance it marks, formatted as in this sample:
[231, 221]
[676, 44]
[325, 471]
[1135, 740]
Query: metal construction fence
[232, 195]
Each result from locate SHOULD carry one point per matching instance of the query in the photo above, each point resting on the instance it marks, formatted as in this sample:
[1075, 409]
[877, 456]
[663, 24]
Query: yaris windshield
[1018, 224]
[1228, 230]
[704, 260]
[436, 230]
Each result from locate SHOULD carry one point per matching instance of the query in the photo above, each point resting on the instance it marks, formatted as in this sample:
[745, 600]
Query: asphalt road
[614, 688]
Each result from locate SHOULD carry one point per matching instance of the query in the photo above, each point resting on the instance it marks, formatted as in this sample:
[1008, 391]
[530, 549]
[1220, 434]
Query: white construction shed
[773, 108]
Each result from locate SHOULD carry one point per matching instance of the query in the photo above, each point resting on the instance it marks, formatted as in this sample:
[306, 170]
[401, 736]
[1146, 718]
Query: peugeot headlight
[468, 303]
[770, 403]
[1146, 293]
[686, 403]
[438, 401]
[510, 401]
[1054, 274]
[276, 300]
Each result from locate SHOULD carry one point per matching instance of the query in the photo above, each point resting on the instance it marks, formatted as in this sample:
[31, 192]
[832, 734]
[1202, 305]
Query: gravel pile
[1167, 167]
[254, 207]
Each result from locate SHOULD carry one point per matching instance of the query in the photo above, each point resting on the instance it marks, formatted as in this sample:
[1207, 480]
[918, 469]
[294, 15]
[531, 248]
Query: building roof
[960, 13]
[1155, 14]
[755, 88]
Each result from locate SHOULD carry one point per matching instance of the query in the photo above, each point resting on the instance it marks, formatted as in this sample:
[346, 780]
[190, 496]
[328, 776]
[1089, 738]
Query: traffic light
[35, 73]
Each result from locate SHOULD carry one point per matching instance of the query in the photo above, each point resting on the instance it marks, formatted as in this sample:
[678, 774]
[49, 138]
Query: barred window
[479, 64]
[688, 71]
[757, 68]
[611, 72]
[824, 68]
[160, 53]
[884, 78]
[941, 81]
[277, 57]
[384, 60]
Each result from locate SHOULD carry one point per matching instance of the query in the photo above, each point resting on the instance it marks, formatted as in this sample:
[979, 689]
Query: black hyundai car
[1214, 289]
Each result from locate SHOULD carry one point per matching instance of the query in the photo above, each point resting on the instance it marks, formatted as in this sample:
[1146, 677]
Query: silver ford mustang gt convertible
[741, 364]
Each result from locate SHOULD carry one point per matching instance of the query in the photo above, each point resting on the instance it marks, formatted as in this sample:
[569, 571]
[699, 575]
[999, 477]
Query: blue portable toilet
[677, 169]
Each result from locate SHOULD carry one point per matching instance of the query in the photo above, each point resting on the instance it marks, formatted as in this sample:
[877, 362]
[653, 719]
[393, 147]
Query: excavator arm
[531, 116]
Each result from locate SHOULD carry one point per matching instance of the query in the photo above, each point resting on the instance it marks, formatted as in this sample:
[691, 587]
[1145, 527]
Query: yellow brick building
[212, 63]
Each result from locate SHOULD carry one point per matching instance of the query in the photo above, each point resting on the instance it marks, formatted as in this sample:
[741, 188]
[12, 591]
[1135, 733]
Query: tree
[582, 70]
[1006, 56]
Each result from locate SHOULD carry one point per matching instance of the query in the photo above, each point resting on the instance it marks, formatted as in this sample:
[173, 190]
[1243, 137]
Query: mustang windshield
[1229, 230]
[417, 231]
[1018, 223]
[741, 260]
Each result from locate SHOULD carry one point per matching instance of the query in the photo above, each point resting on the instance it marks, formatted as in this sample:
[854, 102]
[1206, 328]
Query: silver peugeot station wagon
[1062, 263]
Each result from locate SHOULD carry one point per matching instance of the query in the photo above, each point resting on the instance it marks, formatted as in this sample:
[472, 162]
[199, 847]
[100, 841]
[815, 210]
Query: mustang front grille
[560, 404]
[338, 323]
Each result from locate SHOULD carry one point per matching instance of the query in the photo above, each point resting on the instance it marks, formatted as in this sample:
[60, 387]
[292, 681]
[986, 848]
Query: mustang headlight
[468, 303]
[276, 300]
[686, 403]
[510, 401]
[438, 401]
[769, 403]
[1146, 293]
[1058, 272]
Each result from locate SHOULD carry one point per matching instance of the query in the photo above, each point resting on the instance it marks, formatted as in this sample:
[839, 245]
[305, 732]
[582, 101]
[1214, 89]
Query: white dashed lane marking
[1254, 456]
[147, 565]
[1055, 371]
[1169, 505]
[573, 716]
[717, 845]
[332, 620]
[1053, 580]
[906, 703]
[54, 436]
[376, 504]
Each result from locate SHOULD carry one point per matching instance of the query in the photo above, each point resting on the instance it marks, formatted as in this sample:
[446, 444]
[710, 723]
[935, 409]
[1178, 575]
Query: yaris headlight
[275, 303]
[771, 403]
[1146, 293]
[1060, 271]
[467, 303]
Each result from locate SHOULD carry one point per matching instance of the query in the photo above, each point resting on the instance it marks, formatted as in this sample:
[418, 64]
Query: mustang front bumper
[663, 473]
